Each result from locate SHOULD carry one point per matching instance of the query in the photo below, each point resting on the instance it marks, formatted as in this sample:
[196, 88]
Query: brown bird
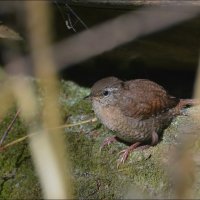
[136, 110]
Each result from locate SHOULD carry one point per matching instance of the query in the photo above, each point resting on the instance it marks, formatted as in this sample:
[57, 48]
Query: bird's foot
[108, 141]
[125, 153]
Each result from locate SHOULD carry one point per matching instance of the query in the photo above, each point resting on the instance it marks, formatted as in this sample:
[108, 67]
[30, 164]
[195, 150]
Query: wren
[137, 111]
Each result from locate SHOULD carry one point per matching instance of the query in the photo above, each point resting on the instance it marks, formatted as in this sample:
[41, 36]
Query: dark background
[168, 57]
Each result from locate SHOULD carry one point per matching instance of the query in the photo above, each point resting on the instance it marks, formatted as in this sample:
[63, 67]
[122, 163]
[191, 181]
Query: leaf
[8, 33]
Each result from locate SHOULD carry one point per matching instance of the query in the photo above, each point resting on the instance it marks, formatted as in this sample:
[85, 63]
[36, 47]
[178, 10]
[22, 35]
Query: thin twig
[16, 141]
[76, 124]
[68, 20]
[59, 127]
[77, 17]
[9, 128]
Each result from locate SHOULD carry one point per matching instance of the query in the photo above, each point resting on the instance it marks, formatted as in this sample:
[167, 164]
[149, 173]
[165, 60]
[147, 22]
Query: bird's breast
[126, 128]
[110, 116]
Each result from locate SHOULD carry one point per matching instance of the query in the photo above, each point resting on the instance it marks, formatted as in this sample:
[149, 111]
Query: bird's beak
[87, 97]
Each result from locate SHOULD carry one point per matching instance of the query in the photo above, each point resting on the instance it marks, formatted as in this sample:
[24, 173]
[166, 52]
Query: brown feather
[144, 98]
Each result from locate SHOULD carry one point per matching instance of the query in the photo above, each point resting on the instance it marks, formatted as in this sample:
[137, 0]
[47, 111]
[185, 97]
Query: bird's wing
[143, 98]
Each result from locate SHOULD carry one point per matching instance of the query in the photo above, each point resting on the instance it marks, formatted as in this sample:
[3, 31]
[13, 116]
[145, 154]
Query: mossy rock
[95, 173]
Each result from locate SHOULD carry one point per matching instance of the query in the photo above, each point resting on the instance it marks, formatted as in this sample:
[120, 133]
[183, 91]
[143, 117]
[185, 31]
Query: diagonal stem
[32, 134]
[9, 128]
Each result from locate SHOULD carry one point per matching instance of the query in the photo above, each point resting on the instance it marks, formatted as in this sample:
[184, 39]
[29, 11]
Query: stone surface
[145, 174]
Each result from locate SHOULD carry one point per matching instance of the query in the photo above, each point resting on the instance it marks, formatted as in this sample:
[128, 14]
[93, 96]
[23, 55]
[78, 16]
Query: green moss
[95, 173]
[17, 177]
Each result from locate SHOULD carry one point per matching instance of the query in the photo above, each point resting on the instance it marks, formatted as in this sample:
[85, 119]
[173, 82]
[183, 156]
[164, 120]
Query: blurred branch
[118, 31]
[183, 172]
[197, 82]
[113, 33]
[129, 3]
[55, 180]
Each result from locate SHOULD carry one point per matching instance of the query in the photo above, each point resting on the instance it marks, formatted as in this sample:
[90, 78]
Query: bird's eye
[105, 93]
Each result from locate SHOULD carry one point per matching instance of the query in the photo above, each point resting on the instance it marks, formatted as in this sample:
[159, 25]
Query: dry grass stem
[59, 127]
[9, 128]
[47, 146]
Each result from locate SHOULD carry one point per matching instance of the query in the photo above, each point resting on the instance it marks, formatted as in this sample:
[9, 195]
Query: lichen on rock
[95, 174]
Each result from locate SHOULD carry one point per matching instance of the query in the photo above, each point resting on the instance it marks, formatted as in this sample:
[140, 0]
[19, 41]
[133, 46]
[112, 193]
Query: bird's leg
[136, 146]
[125, 153]
[108, 141]
[154, 138]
